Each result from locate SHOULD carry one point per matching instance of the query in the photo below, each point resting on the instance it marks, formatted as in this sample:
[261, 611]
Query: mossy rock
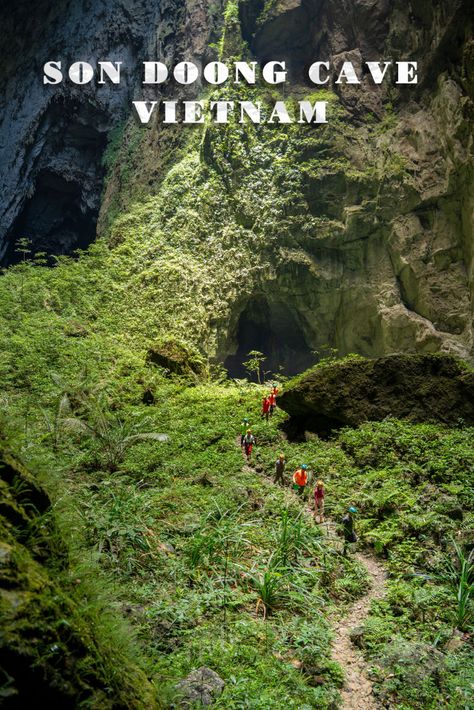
[52, 652]
[420, 388]
[176, 357]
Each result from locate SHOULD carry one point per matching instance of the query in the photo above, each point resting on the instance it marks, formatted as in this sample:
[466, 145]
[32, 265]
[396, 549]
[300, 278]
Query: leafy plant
[111, 434]
[457, 572]
[254, 364]
[269, 586]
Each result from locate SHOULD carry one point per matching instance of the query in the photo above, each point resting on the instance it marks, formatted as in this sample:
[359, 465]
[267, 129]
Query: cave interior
[272, 328]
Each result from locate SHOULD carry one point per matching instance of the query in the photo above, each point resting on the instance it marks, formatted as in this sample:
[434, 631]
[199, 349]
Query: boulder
[176, 357]
[201, 686]
[354, 390]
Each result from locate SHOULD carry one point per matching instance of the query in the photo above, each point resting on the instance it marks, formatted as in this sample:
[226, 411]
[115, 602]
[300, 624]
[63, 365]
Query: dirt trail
[357, 691]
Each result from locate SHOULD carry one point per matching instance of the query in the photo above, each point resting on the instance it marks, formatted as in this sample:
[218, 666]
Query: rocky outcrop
[419, 388]
[176, 358]
[50, 654]
[202, 686]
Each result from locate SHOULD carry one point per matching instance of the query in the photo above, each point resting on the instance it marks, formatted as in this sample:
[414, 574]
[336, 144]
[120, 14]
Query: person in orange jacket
[300, 479]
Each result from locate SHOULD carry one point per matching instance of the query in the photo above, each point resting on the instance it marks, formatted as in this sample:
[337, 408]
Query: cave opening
[54, 219]
[272, 328]
[61, 209]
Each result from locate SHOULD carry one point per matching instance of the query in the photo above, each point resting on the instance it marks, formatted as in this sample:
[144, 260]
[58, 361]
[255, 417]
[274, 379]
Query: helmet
[249, 431]
[245, 419]
[320, 483]
[281, 456]
[352, 509]
[304, 466]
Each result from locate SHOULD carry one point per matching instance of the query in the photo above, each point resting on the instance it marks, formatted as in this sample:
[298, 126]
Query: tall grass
[457, 573]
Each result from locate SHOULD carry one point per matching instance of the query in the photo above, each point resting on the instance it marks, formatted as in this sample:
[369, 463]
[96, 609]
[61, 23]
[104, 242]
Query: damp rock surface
[50, 655]
[201, 686]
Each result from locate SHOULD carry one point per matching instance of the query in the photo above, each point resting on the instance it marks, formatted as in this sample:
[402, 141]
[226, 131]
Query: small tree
[254, 364]
[23, 247]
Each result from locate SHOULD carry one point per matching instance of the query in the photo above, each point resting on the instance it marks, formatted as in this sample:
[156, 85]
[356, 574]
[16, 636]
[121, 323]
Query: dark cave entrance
[54, 219]
[60, 213]
[273, 329]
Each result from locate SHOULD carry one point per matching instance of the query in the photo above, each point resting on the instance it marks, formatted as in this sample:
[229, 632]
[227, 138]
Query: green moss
[60, 644]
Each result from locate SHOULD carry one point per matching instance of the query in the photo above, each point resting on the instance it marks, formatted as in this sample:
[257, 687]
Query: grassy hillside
[189, 543]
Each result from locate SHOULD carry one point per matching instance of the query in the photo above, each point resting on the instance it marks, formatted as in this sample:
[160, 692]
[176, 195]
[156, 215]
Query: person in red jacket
[272, 402]
[265, 408]
[319, 502]
[249, 441]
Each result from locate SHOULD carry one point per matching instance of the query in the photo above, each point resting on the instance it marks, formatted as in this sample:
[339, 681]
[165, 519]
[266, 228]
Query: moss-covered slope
[59, 645]
[360, 231]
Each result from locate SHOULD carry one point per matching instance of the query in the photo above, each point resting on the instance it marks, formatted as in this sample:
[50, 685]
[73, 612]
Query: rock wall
[358, 235]
[394, 273]
[53, 138]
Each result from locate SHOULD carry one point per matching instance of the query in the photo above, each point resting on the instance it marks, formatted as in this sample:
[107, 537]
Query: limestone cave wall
[367, 244]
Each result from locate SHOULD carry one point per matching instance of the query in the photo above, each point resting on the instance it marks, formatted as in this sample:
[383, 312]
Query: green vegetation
[212, 563]
[178, 525]
[414, 488]
[110, 400]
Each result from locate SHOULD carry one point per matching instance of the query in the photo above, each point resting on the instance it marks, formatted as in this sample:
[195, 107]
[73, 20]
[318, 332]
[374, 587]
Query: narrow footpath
[357, 691]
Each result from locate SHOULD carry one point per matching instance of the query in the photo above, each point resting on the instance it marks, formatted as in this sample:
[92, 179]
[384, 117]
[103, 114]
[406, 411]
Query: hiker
[272, 402]
[300, 479]
[348, 528]
[249, 441]
[265, 407]
[280, 470]
[319, 501]
[243, 428]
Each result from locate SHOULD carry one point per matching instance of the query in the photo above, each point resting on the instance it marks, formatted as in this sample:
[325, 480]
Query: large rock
[176, 357]
[201, 686]
[416, 387]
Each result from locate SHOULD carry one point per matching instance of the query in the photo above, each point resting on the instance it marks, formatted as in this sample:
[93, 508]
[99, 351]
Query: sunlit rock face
[368, 250]
[394, 273]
